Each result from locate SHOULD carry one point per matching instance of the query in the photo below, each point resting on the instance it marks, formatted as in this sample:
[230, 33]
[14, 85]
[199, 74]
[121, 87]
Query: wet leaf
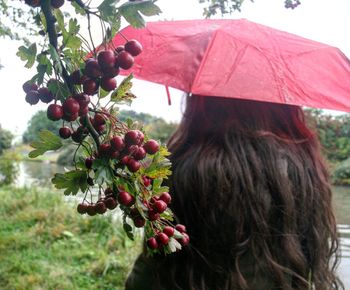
[47, 141]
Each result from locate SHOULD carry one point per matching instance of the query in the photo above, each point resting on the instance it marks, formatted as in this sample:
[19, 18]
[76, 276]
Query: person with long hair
[252, 188]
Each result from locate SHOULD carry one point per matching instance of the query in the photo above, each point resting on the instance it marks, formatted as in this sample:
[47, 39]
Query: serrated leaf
[174, 245]
[55, 59]
[27, 54]
[131, 12]
[103, 93]
[60, 20]
[47, 141]
[103, 172]
[78, 8]
[120, 93]
[43, 60]
[71, 181]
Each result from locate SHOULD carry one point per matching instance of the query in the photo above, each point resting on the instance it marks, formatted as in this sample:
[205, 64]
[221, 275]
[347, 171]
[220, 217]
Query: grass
[45, 244]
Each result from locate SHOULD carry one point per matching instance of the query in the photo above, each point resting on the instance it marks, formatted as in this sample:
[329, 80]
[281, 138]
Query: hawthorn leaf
[27, 54]
[103, 171]
[47, 141]
[120, 93]
[71, 181]
[174, 245]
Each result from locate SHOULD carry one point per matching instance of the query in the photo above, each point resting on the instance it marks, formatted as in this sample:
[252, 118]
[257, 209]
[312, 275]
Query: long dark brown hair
[253, 190]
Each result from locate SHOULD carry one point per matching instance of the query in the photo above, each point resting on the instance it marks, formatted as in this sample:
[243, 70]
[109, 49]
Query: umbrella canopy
[241, 59]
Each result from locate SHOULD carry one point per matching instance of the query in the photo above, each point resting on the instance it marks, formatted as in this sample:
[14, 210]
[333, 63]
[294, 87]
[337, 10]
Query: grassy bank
[45, 244]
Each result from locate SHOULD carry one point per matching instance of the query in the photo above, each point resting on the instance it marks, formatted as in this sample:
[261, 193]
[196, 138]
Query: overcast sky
[321, 20]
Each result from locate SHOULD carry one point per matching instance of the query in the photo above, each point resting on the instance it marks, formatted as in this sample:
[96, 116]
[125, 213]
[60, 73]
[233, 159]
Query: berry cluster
[34, 93]
[36, 3]
[292, 4]
[161, 238]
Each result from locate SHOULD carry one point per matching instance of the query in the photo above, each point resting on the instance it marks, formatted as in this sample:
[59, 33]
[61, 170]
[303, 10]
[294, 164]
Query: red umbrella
[241, 59]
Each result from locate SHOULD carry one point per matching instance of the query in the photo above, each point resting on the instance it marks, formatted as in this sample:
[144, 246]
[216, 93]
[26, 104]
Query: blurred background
[45, 244]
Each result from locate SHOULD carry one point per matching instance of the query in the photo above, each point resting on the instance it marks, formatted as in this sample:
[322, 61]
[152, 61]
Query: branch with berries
[117, 167]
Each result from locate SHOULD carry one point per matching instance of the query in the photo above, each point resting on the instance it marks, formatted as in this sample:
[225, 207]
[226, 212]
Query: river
[38, 173]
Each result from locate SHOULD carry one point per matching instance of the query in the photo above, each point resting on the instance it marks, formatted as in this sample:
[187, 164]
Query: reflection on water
[38, 173]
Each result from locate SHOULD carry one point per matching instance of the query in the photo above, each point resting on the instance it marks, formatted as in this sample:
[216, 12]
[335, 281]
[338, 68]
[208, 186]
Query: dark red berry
[91, 210]
[104, 150]
[151, 146]
[101, 207]
[134, 137]
[162, 239]
[133, 47]
[108, 84]
[181, 228]
[115, 154]
[146, 181]
[125, 160]
[125, 60]
[57, 3]
[81, 208]
[166, 197]
[160, 206]
[70, 106]
[82, 99]
[54, 112]
[139, 221]
[126, 198]
[75, 77]
[133, 165]
[78, 136]
[88, 162]
[99, 119]
[152, 243]
[139, 154]
[111, 203]
[117, 143]
[185, 239]
[83, 111]
[153, 215]
[70, 118]
[169, 231]
[119, 49]
[28, 86]
[32, 97]
[45, 95]
[90, 87]
[33, 3]
[110, 72]
[109, 191]
[106, 58]
[92, 69]
[101, 129]
[65, 132]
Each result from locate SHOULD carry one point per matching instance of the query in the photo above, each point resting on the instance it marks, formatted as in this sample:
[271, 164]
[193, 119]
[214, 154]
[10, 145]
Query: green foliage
[120, 95]
[341, 173]
[8, 167]
[37, 123]
[44, 244]
[5, 139]
[71, 181]
[27, 54]
[47, 141]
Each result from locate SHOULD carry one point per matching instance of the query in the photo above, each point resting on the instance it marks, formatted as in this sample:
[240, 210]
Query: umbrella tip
[168, 94]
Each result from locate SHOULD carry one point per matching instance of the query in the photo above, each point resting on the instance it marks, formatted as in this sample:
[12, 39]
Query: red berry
[153, 215]
[101, 129]
[115, 154]
[92, 69]
[146, 181]
[65, 132]
[70, 106]
[125, 160]
[78, 136]
[99, 119]
[169, 231]
[160, 206]
[151, 146]
[91, 210]
[134, 137]
[54, 112]
[45, 95]
[109, 191]
[75, 77]
[57, 3]
[88, 162]
[139, 221]
[104, 150]
[133, 165]
[181, 228]
[32, 97]
[126, 198]
[117, 143]
[90, 87]
[81, 208]
[27, 86]
[152, 243]
[33, 3]
[119, 49]
[185, 239]
[110, 72]
[83, 111]
[110, 203]
[133, 47]
[125, 60]
[166, 197]
[106, 58]
[82, 99]
[101, 207]
[108, 84]
[162, 239]
[139, 154]
[70, 118]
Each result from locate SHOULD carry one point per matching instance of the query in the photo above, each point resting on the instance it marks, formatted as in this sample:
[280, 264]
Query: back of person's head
[250, 185]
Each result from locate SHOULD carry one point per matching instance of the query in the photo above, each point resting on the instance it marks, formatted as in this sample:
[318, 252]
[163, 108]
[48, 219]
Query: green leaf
[60, 20]
[103, 171]
[78, 8]
[103, 93]
[131, 12]
[55, 59]
[43, 60]
[27, 54]
[47, 141]
[71, 181]
[122, 92]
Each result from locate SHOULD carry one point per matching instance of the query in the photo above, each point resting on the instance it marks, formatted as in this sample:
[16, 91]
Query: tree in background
[6, 138]
[37, 123]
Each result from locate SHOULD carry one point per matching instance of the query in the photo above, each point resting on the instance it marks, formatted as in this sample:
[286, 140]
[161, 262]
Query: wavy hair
[252, 188]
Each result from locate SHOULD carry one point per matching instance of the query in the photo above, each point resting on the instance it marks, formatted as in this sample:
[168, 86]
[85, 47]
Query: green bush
[8, 167]
[341, 173]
